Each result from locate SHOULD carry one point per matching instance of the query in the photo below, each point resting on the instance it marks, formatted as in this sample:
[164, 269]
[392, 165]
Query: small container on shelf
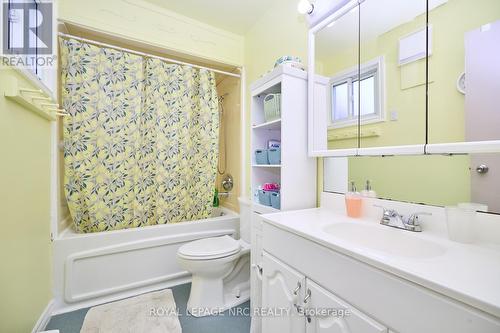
[265, 198]
[274, 156]
[275, 200]
[272, 106]
[261, 156]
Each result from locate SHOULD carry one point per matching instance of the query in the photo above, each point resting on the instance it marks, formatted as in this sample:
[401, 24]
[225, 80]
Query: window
[345, 89]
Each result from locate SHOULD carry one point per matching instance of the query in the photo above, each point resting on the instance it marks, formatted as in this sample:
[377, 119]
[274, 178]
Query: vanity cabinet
[256, 259]
[351, 320]
[378, 300]
[307, 307]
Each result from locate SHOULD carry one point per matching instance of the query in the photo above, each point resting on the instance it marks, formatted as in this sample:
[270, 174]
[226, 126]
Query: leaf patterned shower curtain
[140, 144]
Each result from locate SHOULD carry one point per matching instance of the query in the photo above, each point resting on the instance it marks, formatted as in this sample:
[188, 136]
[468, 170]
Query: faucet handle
[413, 218]
[387, 212]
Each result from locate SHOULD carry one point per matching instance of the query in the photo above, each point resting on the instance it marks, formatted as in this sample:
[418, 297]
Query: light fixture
[305, 7]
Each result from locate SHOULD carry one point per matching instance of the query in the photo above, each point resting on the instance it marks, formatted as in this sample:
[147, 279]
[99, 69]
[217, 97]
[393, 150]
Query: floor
[234, 322]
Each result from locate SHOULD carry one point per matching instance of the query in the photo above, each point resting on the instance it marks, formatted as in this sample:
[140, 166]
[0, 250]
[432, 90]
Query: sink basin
[385, 239]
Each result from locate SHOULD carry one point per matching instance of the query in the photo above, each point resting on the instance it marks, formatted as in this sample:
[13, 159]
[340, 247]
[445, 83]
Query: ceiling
[236, 16]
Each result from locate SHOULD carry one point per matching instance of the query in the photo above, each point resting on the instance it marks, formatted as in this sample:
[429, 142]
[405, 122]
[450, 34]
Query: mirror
[464, 71]
[392, 70]
[336, 69]
[429, 179]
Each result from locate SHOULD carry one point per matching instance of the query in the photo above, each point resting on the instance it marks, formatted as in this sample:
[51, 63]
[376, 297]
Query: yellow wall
[25, 248]
[231, 125]
[143, 22]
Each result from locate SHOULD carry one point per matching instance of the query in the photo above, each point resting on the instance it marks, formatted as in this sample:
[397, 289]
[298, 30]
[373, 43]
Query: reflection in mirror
[428, 179]
[336, 73]
[393, 67]
[464, 71]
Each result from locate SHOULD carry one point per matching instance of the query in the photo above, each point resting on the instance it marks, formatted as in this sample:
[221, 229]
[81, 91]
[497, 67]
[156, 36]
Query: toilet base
[210, 297]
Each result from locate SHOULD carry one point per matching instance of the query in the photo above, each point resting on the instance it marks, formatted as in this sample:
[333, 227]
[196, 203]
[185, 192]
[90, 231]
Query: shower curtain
[140, 144]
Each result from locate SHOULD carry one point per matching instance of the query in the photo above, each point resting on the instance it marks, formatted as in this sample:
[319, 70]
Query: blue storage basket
[261, 156]
[274, 155]
[275, 200]
[265, 198]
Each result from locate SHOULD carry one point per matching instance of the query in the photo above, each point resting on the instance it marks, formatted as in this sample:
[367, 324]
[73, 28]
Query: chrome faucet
[392, 218]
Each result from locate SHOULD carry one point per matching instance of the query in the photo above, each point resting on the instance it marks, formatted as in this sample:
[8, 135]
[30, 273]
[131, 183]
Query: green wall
[435, 180]
[25, 247]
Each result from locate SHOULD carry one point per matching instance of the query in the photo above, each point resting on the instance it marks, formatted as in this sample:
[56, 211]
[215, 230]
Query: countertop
[469, 273]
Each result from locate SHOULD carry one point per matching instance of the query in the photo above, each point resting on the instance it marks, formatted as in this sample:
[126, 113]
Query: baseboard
[44, 318]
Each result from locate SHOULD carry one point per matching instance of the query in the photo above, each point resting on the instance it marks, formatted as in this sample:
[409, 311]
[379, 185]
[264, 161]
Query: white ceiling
[232, 15]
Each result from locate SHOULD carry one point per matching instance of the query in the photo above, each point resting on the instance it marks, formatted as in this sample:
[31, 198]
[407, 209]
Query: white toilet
[220, 268]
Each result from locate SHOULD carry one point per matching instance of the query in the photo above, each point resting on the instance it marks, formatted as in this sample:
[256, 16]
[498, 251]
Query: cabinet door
[323, 318]
[281, 292]
[256, 272]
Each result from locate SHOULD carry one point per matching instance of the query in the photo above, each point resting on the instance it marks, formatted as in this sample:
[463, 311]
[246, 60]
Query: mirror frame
[333, 13]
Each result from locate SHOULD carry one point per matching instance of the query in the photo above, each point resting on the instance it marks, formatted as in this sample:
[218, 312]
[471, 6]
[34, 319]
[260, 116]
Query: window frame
[370, 68]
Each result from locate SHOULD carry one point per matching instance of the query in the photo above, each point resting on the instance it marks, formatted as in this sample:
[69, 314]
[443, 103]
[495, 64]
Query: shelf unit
[297, 171]
[35, 100]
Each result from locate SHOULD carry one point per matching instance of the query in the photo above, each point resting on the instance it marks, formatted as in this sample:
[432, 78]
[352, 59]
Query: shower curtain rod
[90, 41]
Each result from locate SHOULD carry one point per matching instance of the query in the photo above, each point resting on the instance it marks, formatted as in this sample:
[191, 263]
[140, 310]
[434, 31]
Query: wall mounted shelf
[270, 125]
[34, 100]
[266, 165]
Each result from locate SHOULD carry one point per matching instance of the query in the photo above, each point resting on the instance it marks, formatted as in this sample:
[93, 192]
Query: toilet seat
[209, 248]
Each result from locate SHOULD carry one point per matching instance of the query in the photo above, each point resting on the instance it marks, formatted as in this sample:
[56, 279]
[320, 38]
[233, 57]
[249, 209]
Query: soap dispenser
[353, 202]
[368, 192]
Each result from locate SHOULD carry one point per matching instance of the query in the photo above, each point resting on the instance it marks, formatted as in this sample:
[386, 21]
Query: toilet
[220, 268]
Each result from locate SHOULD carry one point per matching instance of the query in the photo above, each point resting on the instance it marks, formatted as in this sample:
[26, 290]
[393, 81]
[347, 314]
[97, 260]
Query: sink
[385, 239]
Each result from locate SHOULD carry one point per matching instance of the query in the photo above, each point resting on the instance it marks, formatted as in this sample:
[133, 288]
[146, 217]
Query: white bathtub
[95, 268]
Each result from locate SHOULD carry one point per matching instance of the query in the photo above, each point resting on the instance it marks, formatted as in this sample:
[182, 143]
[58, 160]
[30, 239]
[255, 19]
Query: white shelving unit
[297, 171]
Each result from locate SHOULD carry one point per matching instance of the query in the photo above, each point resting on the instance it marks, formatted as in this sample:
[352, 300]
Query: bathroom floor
[71, 322]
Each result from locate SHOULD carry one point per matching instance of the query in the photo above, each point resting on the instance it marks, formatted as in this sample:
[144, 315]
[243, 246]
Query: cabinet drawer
[352, 320]
[396, 302]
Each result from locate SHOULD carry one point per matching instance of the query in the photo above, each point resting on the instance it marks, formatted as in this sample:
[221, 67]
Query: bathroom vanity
[318, 263]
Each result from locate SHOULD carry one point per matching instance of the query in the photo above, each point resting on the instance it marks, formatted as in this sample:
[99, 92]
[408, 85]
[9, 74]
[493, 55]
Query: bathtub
[100, 267]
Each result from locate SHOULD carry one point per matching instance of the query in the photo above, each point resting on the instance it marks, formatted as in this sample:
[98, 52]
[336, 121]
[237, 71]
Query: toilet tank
[245, 215]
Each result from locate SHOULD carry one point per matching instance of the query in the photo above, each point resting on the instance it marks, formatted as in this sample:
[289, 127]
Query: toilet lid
[209, 248]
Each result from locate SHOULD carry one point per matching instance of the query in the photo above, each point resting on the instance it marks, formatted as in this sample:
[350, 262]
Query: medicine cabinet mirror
[392, 66]
[336, 51]
[371, 63]
[464, 73]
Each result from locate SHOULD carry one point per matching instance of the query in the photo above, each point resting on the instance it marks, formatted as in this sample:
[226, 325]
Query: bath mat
[149, 313]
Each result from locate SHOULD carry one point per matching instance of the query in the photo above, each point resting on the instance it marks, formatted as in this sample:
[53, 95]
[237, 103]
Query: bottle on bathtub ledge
[353, 202]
